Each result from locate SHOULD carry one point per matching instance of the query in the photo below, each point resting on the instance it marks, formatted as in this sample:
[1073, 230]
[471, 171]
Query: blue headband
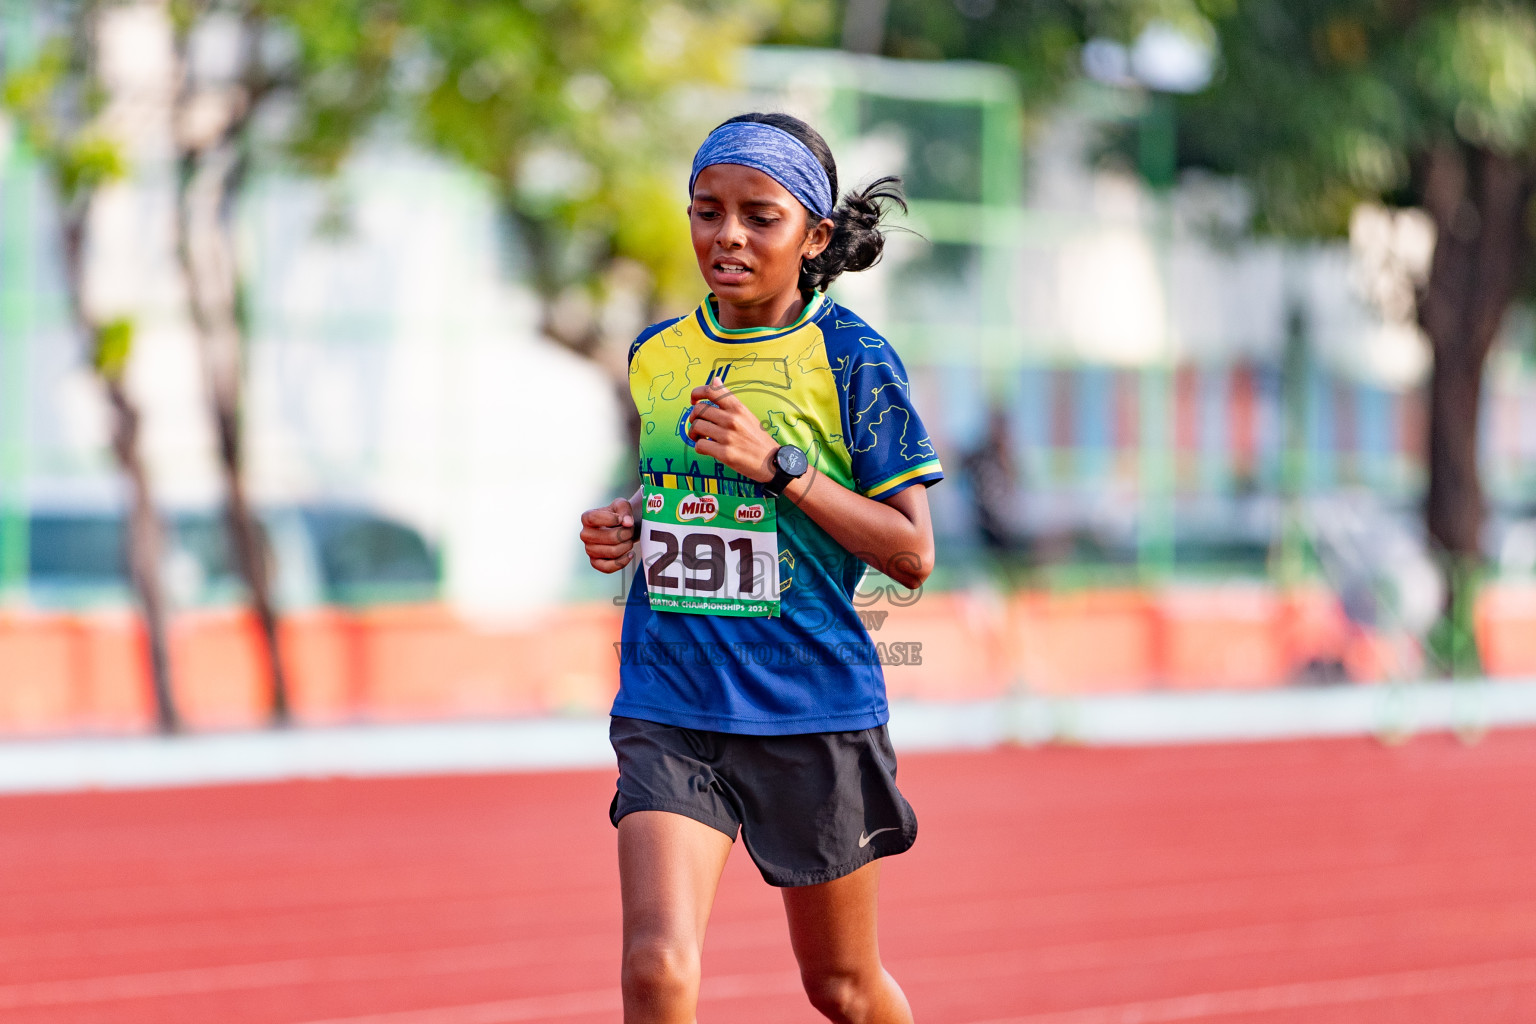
[773, 151]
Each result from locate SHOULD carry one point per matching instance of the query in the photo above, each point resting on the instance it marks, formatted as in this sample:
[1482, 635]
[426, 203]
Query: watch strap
[781, 479]
[775, 488]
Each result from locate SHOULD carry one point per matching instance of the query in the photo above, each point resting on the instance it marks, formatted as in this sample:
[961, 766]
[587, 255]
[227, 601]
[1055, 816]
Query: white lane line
[1367, 988]
[554, 743]
[150, 984]
[364, 967]
[573, 1004]
[1299, 995]
[265, 974]
[505, 1011]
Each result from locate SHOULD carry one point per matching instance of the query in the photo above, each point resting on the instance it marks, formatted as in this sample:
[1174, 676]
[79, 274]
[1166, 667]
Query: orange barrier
[943, 645]
[1506, 630]
[416, 662]
[1226, 637]
[35, 647]
[1084, 642]
[1314, 630]
[216, 658]
[319, 650]
[73, 673]
[111, 678]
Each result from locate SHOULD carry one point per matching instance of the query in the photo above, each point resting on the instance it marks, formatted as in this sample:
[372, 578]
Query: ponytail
[857, 241]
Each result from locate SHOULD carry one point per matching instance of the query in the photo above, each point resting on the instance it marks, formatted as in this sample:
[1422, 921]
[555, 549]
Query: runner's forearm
[896, 538]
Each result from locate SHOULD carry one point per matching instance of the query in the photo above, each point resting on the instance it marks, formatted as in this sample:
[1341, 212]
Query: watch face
[791, 460]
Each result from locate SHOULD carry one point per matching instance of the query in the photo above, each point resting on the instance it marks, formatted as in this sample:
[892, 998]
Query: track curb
[1390, 712]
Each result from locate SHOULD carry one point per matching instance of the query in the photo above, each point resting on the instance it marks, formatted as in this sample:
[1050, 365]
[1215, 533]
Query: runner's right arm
[609, 533]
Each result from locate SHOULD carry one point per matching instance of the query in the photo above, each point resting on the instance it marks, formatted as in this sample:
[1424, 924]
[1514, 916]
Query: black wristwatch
[789, 463]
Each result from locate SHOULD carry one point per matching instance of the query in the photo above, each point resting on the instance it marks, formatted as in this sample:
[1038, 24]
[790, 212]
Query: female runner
[778, 455]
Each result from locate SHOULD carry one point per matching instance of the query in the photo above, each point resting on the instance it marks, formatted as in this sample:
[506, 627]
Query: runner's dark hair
[857, 241]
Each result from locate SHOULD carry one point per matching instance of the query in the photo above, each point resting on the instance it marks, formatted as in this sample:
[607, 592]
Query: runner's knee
[659, 968]
[841, 996]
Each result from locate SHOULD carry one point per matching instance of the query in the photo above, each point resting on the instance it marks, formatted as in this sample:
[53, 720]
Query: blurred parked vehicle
[324, 554]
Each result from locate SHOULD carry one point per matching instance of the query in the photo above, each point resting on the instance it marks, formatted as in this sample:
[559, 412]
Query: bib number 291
[710, 569]
[701, 551]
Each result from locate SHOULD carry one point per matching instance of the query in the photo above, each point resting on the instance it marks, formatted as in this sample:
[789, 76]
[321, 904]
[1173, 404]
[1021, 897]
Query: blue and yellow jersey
[832, 386]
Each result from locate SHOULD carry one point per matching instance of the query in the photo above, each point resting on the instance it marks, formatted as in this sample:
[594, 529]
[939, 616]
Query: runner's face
[749, 235]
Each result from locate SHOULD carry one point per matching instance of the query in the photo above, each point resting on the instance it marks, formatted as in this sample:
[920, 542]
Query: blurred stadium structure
[1185, 476]
[1178, 458]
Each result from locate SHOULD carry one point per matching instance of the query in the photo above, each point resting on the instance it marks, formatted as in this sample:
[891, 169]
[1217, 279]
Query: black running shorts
[811, 807]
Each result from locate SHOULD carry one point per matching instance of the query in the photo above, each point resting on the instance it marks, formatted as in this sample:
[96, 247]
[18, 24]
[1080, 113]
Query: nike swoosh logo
[864, 839]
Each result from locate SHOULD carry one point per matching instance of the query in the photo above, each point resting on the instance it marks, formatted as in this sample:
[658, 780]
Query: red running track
[1309, 882]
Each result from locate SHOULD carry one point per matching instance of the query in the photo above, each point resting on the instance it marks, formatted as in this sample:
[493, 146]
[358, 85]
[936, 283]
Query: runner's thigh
[832, 925]
[669, 869]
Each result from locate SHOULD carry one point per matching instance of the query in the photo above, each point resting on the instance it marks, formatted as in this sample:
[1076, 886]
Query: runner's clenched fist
[609, 535]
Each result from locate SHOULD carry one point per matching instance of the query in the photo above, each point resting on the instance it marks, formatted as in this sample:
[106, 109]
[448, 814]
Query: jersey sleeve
[647, 334]
[890, 446]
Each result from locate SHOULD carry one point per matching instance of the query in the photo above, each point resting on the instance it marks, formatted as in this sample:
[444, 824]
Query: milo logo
[749, 513]
[698, 506]
[654, 503]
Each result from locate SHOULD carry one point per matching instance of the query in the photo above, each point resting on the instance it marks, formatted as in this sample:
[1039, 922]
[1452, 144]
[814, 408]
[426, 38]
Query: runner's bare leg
[832, 930]
[669, 869]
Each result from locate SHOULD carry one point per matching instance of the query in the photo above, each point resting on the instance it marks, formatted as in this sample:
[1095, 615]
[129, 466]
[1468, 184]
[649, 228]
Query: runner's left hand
[729, 432]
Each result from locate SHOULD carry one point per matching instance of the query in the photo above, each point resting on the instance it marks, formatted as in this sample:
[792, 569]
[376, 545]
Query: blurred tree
[583, 114]
[1041, 41]
[234, 60]
[232, 57]
[218, 87]
[66, 115]
[1325, 104]
[578, 111]
[1321, 105]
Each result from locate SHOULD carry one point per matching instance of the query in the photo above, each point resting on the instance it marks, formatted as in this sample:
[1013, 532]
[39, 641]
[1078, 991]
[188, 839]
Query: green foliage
[87, 161]
[577, 110]
[29, 90]
[1040, 41]
[345, 52]
[114, 344]
[1476, 67]
[1323, 104]
[55, 100]
[802, 22]
[1319, 104]
[54, 105]
[1452, 642]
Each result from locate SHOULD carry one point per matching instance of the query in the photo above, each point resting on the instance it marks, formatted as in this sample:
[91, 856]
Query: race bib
[711, 554]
